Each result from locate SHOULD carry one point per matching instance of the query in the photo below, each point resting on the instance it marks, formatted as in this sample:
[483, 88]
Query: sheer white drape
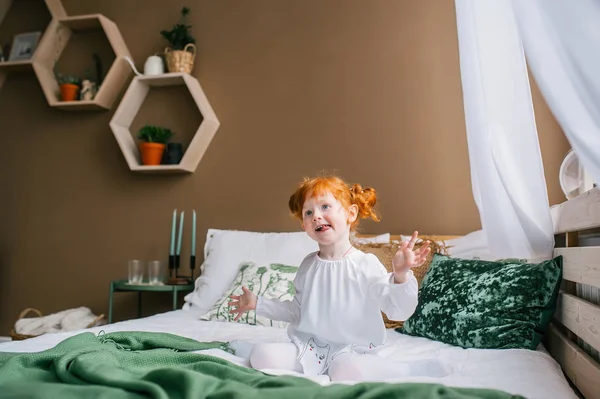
[506, 165]
[562, 45]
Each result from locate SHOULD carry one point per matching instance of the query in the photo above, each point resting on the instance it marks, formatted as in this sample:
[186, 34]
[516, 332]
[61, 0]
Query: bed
[532, 374]
[563, 367]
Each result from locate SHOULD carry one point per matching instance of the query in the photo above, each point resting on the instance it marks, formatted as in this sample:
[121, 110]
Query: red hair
[363, 198]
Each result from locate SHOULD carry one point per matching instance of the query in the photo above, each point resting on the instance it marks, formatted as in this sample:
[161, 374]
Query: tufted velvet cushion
[486, 304]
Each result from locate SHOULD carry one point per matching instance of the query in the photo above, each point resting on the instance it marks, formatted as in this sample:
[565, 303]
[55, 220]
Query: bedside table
[124, 286]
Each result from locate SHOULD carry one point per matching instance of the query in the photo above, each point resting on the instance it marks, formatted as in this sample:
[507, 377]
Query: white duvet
[532, 374]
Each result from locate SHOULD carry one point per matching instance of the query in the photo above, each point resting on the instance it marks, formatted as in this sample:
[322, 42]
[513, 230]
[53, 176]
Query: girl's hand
[242, 303]
[405, 258]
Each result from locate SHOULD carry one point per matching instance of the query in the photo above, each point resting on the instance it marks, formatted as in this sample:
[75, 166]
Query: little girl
[335, 315]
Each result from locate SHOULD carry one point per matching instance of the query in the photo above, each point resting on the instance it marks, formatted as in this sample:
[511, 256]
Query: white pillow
[380, 239]
[226, 250]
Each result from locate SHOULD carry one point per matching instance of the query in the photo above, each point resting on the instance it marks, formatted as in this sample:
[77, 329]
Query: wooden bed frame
[576, 324]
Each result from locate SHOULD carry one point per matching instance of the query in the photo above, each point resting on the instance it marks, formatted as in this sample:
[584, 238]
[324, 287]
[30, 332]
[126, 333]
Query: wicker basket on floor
[19, 337]
[385, 253]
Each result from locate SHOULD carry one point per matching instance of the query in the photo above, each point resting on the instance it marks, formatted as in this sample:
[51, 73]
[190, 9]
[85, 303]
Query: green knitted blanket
[158, 365]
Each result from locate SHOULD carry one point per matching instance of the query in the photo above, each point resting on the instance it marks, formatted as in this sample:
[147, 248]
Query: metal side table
[125, 286]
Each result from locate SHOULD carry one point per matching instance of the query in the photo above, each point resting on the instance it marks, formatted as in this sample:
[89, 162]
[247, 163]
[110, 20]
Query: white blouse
[337, 307]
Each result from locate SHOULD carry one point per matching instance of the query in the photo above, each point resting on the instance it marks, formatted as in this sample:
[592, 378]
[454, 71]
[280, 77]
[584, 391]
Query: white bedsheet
[532, 374]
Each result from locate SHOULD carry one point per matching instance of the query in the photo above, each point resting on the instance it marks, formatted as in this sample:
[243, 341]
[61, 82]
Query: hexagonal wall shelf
[132, 102]
[55, 42]
[55, 9]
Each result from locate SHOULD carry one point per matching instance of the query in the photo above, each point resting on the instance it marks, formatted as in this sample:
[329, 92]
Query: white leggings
[346, 366]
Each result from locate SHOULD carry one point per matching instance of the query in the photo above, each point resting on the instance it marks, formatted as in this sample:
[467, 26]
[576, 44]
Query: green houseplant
[180, 33]
[154, 140]
[180, 56]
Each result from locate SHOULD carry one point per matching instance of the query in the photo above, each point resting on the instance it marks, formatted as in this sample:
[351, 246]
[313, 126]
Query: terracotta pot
[69, 92]
[152, 153]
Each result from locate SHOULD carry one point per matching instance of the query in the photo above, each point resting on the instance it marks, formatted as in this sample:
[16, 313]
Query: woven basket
[385, 253]
[181, 60]
[19, 337]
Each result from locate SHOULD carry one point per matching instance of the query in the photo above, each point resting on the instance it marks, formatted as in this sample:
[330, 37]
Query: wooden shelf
[55, 9]
[132, 102]
[9, 66]
[80, 23]
[164, 169]
[53, 44]
[166, 79]
[80, 106]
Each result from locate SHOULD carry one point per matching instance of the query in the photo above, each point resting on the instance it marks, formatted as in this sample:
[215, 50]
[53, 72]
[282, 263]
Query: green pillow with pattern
[486, 304]
[273, 281]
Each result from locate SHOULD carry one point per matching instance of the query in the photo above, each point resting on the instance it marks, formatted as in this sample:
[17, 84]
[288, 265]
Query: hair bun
[357, 189]
[366, 199]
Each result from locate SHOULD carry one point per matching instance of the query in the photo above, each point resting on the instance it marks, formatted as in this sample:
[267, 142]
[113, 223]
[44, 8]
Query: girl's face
[325, 220]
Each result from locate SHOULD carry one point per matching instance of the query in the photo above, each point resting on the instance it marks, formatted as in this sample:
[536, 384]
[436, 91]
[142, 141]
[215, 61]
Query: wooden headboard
[398, 237]
[574, 337]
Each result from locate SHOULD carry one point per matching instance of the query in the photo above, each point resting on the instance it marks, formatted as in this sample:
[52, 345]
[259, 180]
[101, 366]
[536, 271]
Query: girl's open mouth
[323, 227]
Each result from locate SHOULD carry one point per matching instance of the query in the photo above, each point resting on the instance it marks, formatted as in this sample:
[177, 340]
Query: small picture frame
[24, 45]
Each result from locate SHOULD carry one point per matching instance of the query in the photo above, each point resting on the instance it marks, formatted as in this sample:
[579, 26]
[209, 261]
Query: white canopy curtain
[562, 44]
[506, 165]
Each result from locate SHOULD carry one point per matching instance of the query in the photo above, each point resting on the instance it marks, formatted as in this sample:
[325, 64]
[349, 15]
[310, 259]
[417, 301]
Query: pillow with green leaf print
[272, 281]
[486, 304]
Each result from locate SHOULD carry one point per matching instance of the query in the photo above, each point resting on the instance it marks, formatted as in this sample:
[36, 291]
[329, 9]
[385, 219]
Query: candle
[180, 234]
[194, 233]
[172, 249]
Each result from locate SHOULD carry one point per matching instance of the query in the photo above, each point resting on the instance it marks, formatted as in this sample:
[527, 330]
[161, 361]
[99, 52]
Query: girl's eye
[324, 207]
[308, 213]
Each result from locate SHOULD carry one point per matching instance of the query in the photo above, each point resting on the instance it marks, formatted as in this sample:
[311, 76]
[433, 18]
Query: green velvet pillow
[486, 304]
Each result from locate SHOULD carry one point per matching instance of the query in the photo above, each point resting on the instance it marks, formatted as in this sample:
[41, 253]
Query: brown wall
[368, 89]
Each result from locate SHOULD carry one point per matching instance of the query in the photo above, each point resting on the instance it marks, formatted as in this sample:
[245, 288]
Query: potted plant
[154, 139]
[180, 56]
[69, 87]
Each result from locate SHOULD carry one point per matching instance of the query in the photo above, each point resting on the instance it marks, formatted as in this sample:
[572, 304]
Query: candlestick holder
[178, 279]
